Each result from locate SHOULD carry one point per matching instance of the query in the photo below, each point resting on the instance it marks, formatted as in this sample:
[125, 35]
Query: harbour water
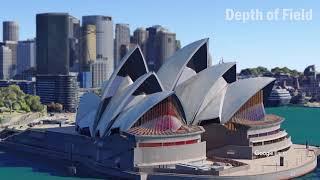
[303, 124]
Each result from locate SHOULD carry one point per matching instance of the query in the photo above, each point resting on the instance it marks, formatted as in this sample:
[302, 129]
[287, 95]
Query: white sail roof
[146, 84]
[170, 72]
[197, 90]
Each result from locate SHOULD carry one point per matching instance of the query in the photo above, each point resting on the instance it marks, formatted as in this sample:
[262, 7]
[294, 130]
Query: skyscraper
[168, 45]
[98, 69]
[85, 79]
[122, 40]
[53, 51]
[26, 56]
[61, 89]
[10, 31]
[153, 47]
[160, 45]
[88, 47]
[74, 44]
[104, 40]
[13, 47]
[123, 50]
[56, 48]
[140, 37]
[5, 62]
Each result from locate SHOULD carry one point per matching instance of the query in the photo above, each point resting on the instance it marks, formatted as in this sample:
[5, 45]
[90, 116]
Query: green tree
[28, 99]
[258, 71]
[1, 102]
[35, 104]
[14, 98]
[24, 106]
[16, 89]
[16, 106]
[10, 99]
[285, 70]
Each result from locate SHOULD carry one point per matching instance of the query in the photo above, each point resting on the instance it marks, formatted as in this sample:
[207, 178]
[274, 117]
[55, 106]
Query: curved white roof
[134, 57]
[87, 121]
[224, 99]
[211, 107]
[197, 90]
[130, 116]
[134, 101]
[122, 77]
[186, 74]
[205, 92]
[88, 102]
[86, 112]
[239, 92]
[146, 84]
[170, 72]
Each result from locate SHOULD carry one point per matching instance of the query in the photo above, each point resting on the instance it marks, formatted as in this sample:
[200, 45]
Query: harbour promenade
[297, 161]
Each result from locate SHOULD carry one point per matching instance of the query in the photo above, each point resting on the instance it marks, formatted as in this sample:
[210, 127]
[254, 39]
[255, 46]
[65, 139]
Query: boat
[278, 97]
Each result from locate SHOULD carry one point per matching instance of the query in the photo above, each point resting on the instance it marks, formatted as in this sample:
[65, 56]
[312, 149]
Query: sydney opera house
[185, 113]
[188, 120]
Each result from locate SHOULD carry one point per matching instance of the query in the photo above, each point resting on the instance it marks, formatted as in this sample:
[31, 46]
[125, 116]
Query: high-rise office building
[140, 37]
[10, 38]
[104, 40]
[85, 79]
[88, 47]
[5, 62]
[56, 48]
[168, 45]
[61, 89]
[53, 51]
[26, 56]
[153, 47]
[122, 40]
[161, 44]
[98, 69]
[10, 31]
[74, 44]
[123, 50]
[13, 45]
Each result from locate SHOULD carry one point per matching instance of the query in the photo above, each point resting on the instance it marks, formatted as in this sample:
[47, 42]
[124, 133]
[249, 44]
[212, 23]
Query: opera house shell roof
[185, 92]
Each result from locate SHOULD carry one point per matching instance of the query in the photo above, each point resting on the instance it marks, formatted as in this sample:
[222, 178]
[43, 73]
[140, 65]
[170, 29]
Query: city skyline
[270, 44]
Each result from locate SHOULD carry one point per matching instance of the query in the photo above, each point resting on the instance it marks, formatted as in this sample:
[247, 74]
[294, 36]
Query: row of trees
[254, 71]
[14, 99]
[258, 71]
[286, 70]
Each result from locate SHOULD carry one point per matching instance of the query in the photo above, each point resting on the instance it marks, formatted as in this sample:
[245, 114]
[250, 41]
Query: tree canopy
[254, 71]
[259, 71]
[285, 70]
[13, 98]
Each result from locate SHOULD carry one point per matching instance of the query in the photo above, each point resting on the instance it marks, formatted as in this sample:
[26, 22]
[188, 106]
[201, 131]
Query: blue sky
[266, 43]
